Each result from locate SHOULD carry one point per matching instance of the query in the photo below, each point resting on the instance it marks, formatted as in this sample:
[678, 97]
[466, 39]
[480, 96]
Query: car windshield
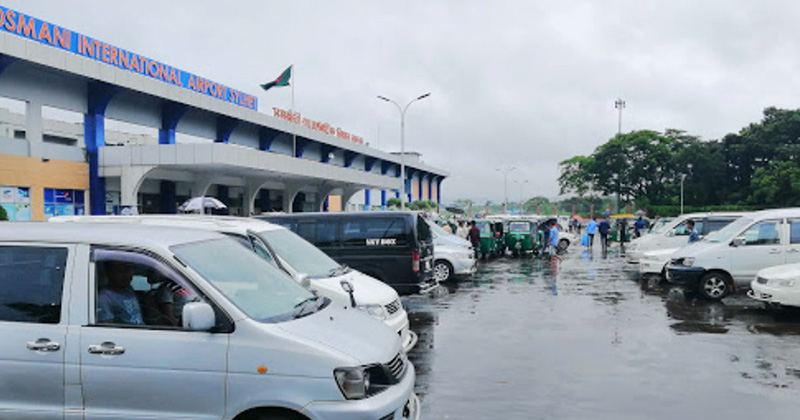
[437, 229]
[519, 227]
[255, 286]
[660, 226]
[728, 232]
[304, 257]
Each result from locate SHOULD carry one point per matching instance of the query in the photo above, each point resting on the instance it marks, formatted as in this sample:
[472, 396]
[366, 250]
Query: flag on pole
[282, 80]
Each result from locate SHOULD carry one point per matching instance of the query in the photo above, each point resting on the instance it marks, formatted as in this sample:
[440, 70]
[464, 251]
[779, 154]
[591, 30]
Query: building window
[19, 134]
[16, 201]
[58, 202]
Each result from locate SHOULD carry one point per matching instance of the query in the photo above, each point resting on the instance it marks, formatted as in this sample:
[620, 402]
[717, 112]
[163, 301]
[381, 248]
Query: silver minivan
[137, 322]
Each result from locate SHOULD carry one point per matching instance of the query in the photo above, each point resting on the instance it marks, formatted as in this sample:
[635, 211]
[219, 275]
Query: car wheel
[442, 271]
[563, 244]
[714, 286]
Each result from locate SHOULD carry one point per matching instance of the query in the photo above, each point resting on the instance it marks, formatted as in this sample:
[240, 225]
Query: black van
[394, 247]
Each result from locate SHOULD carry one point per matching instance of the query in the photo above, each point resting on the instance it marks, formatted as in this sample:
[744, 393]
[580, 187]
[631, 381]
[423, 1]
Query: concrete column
[347, 195]
[130, 181]
[201, 185]
[288, 197]
[94, 135]
[367, 200]
[251, 191]
[33, 129]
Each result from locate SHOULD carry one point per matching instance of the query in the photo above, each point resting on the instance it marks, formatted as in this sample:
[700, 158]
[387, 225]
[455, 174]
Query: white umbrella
[202, 203]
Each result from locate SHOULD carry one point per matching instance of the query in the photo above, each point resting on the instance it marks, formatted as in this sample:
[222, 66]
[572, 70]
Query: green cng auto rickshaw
[518, 237]
[488, 247]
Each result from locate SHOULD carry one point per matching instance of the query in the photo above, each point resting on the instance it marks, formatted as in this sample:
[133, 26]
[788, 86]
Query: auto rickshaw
[489, 244]
[617, 221]
[518, 237]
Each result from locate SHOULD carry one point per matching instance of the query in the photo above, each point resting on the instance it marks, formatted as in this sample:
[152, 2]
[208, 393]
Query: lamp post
[403, 142]
[505, 172]
[683, 178]
[620, 105]
[521, 196]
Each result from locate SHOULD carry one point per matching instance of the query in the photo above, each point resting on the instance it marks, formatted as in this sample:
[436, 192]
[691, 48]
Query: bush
[3, 214]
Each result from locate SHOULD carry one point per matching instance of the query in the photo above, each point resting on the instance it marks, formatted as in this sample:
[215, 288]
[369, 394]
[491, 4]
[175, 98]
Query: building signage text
[295, 117]
[55, 36]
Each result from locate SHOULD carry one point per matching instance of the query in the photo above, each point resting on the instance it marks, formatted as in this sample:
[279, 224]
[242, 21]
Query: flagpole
[294, 132]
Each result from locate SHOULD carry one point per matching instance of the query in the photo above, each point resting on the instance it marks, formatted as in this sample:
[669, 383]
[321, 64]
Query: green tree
[3, 214]
[777, 184]
[542, 202]
[393, 203]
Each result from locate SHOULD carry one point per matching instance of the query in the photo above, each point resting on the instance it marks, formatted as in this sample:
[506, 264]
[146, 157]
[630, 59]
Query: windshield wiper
[338, 271]
[301, 306]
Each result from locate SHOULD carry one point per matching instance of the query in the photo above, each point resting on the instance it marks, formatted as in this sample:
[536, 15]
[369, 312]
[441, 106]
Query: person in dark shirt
[694, 236]
[474, 237]
[604, 227]
[639, 226]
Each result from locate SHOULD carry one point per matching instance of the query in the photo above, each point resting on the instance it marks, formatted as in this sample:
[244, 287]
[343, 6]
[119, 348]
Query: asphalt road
[523, 339]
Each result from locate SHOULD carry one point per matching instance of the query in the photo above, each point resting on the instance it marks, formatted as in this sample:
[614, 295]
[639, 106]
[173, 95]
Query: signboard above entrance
[322, 127]
[20, 24]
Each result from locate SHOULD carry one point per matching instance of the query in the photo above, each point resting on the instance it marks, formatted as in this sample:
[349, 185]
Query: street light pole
[505, 172]
[683, 178]
[620, 105]
[521, 195]
[403, 143]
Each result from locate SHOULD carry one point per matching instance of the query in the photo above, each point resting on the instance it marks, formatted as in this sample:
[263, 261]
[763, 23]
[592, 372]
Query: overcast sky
[513, 83]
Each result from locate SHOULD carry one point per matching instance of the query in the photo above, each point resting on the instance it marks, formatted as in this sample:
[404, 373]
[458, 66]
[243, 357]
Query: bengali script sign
[295, 117]
[20, 24]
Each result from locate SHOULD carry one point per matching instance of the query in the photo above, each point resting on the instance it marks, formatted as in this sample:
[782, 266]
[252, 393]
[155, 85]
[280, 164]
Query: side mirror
[738, 241]
[303, 279]
[198, 316]
[348, 287]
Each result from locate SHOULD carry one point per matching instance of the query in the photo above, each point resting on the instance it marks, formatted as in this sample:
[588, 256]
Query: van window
[136, 289]
[763, 233]
[375, 232]
[715, 225]
[327, 234]
[795, 231]
[31, 284]
[307, 230]
[423, 230]
[682, 230]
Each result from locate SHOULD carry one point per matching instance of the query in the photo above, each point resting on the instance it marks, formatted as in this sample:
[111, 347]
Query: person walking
[694, 236]
[462, 231]
[591, 227]
[638, 227]
[604, 227]
[475, 238]
[553, 248]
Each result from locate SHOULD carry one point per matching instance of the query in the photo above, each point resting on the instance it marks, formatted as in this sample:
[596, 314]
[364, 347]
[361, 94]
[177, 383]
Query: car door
[793, 247]
[33, 325]
[135, 363]
[763, 247]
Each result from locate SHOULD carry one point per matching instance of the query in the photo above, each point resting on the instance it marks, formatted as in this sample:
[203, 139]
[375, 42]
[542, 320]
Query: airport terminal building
[207, 139]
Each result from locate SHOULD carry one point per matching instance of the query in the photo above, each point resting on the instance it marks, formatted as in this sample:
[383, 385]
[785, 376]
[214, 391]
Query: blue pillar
[396, 194]
[367, 200]
[168, 204]
[225, 127]
[431, 180]
[407, 190]
[94, 134]
[439, 191]
[383, 200]
[419, 186]
[171, 114]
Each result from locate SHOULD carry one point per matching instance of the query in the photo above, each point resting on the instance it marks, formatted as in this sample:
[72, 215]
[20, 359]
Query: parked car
[87, 332]
[394, 247]
[452, 256]
[294, 255]
[675, 235]
[730, 258]
[779, 285]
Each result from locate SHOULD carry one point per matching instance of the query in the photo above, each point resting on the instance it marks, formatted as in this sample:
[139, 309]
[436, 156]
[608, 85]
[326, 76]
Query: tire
[714, 286]
[442, 271]
[563, 244]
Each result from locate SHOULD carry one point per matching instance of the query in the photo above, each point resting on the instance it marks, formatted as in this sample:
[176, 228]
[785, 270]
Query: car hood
[781, 272]
[366, 290]
[452, 240]
[349, 332]
[695, 249]
[660, 253]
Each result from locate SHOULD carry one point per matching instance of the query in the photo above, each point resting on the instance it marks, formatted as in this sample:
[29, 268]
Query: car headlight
[353, 382]
[688, 262]
[376, 311]
[786, 283]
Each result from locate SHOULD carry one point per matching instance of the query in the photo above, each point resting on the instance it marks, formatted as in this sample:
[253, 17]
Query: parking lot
[524, 340]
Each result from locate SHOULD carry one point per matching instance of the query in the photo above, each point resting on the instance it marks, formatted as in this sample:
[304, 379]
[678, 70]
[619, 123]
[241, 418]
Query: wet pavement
[587, 340]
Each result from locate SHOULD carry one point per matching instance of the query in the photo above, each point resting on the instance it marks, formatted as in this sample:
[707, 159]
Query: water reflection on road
[524, 339]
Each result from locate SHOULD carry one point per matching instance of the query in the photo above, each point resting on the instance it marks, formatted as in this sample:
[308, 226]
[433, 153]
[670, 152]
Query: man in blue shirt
[638, 227]
[604, 227]
[591, 227]
[693, 235]
[117, 303]
[554, 239]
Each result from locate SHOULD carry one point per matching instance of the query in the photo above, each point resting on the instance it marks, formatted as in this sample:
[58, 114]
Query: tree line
[757, 167]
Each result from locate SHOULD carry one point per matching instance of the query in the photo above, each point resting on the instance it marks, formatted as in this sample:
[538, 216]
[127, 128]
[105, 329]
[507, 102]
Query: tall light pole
[403, 143]
[683, 178]
[505, 172]
[521, 195]
[619, 104]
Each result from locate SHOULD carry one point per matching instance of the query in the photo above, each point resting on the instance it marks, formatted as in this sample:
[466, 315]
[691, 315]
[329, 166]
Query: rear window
[376, 232]
[717, 224]
[423, 230]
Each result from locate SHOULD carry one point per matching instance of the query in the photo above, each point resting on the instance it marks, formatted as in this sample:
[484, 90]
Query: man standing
[554, 239]
[474, 237]
[604, 227]
[693, 235]
[591, 227]
[638, 227]
[462, 231]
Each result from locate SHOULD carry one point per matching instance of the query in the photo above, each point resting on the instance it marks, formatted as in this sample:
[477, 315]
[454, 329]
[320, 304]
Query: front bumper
[774, 295]
[652, 266]
[398, 322]
[684, 276]
[464, 266]
[397, 403]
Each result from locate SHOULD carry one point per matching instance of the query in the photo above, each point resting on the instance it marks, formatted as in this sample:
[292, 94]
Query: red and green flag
[282, 80]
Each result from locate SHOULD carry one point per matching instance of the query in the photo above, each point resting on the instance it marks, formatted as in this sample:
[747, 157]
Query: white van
[119, 321]
[730, 258]
[675, 235]
[296, 256]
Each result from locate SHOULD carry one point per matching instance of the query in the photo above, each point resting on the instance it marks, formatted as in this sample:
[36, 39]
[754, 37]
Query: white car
[88, 332]
[655, 262]
[732, 257]
[676, 235]
[293, 254]
[452, 255]
[779, 285]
